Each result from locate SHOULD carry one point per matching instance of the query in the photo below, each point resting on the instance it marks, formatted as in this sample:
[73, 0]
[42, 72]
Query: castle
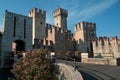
[24, 33]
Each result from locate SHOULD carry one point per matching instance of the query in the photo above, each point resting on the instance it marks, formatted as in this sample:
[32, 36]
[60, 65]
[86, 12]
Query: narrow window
[41, 23]
[14, 26]
[24, 28]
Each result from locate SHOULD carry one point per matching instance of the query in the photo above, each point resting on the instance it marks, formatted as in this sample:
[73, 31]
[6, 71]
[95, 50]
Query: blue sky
[105, 13]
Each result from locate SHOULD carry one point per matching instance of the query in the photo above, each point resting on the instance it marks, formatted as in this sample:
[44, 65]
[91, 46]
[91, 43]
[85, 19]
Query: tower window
[24, 28]
[14, 26]
[40, 22]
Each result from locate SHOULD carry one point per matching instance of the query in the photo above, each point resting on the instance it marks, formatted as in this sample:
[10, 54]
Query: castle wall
[119, 45]
[64, 41]
[39, 23]
[34, 32]
[43, 44]
[54, 36]
[84, 33]
[61, 38]
[60, 17]
[51, 33]
[106, 47]
[60, 44]
[115, 46]
[16, 27]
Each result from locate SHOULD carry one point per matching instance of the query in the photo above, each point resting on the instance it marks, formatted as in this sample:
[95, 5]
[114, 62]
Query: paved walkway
[96, 72]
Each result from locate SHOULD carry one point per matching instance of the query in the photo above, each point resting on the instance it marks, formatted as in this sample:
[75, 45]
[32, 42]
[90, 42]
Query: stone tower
[16, 35]
[84, 33]
[60, 17]
[39, 23]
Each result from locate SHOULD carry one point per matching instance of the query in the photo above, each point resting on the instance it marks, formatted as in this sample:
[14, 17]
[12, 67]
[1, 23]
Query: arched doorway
[18, 45]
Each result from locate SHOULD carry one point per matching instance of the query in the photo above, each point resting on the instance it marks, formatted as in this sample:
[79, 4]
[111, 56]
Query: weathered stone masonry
[23, 33]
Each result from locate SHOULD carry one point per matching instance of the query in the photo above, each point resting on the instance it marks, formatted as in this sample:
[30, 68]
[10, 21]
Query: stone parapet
[67, 72]
[101, 61]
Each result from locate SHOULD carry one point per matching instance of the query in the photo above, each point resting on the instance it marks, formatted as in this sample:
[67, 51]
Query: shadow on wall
[118, 61]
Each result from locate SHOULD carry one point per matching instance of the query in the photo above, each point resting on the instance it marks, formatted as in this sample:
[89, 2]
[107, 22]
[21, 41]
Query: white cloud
[90, 9]
[0, 25]
[81, 10]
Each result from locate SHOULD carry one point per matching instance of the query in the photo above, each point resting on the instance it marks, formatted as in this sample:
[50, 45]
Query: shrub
[35, 66]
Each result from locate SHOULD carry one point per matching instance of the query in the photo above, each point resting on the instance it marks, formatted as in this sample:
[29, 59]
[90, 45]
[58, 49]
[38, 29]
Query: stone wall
[106, 47]
[38, 23]
[62, 38]
[102, 61]
[60, 18]
[16, 27]
[84, 33]
[67, 72]
[43, 44]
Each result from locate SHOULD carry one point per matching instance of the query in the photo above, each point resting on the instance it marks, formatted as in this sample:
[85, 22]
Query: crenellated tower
[84, 33]
[60, 17]
[39, 23]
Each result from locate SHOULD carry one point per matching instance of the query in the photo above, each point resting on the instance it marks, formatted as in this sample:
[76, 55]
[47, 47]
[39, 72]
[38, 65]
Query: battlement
[57, 30]
[12, 14]
[85, 25]
[48, 26]
[103, 41]
[35, 12]
[114, 38]
[45, 42]
[60, 11]
[52, 28]
[42, 43]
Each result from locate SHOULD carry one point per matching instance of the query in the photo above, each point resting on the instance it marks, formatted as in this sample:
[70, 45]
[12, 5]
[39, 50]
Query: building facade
[16, 35]
[23, 33]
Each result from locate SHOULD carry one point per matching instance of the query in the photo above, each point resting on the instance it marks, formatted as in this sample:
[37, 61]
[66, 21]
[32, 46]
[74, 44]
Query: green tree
[35, 66]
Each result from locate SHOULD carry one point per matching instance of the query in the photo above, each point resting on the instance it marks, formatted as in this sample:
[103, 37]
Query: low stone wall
[102, 61]
[67, 72]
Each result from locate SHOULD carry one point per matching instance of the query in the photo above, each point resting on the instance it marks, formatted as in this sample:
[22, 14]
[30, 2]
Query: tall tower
[16, 35]
[85, 32]
[39, 21]
[60, 17]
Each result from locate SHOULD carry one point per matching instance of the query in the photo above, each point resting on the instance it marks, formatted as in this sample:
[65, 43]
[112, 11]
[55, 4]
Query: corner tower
[60, 17]
[38, 23]
[85, 32]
